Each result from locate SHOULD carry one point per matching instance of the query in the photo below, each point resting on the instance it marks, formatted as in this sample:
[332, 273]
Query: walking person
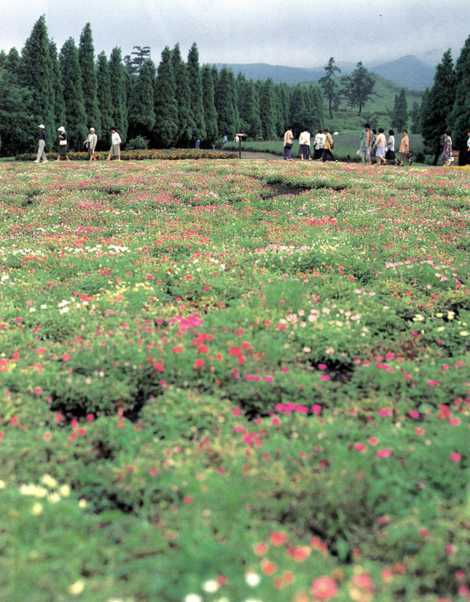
[328, 147]
[372, 146]
[405, 149]
[90, 144]
[305, 141]
[447, 156]
[288, 142]
[41, 156]
[366, 144]
[318, 145]
[380, 146]
[115, 150]
[390, 154]
[63, 144]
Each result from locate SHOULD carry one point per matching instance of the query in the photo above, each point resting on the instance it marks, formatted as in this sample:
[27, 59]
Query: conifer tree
[118, 92]
[250, 121]
[400, 111]
[142, 102]
[89, 85]
[75, 116]
[460, 116]
[330, 85]
[416, 118]
[18, 125]
[358, 87]
[57, 87]
[210, 112]
[225, 102]
[267, 116]
[435, 115]
[104, 98]
[186, 123]
[166, 105]
[35, 74]
[195, 83]
[12, 63]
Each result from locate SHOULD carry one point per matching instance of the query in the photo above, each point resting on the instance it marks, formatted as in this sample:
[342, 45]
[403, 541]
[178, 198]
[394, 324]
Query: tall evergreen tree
[460, 116]
[17, 121]
[266, 103]
[57, 86]
[416, 118]
[186, 123]
[400, 111]
[86, 53]
[75, 116]
[166, 104]
[225, 102]
[142, 102]
[104, 98]
[330, 85]
[195, 84]
[118, 92]
[137, 58]
[248, 103]
[12, 63]
[435, 117]
[210, 112]
[358, 87]
[35, 73]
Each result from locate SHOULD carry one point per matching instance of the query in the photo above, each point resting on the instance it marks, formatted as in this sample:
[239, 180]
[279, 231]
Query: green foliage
[166, 104]
[210, 112]
[226, 104]
[186, 122]
[75, 115]
[416, 118]
[400, 112]
[105, 100]
[358, 87]
[17, 121]
[460, 117]
[86, 53]
[267, 109]
[331, 86]
[248, 107]
[57, 85]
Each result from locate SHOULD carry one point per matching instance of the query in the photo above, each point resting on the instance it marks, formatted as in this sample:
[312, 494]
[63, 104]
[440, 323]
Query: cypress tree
[104, 98]
[249, 107]
[35, 74]
[3, 58]
[186, 123]
[436, 109]
[400, 111]
[266, 102]
[12, 63]
[460, 116]
[166, 105]
[416, 118]
[225, 102]
[118, 92]
[195, 84]
[18, 125]
[86, 53]
[58, 89]
[330, 85]
[142, 102]
[75, 116]
[210, 112]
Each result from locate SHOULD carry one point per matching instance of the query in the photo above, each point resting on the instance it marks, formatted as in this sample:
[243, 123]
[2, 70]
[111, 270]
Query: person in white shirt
[390, 154]
[319, 144]
[380, 145]
[115, 151]
[90, 143]
[304, 142]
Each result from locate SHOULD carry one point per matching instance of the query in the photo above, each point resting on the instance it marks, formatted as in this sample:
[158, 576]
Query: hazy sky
[283, 32]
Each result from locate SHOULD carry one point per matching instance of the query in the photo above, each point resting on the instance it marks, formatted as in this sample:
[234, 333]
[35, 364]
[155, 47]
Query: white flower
[37, 509]
[64, 491]
[2, 484]
[82, 503]
[463, 333]
[49, 481]
[77, 588]
[252, 579]
[193, 598]
[211, 586]
[53, 498]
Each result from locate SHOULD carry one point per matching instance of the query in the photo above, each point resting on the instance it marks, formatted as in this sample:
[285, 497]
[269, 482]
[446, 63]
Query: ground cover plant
[234, 381]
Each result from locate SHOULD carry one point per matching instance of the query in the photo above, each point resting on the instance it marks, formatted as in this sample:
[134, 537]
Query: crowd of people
[323, 145]
[380, 148]
[90, 144]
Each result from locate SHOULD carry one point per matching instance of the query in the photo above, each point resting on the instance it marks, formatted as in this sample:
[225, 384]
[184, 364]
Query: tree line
[172, 104]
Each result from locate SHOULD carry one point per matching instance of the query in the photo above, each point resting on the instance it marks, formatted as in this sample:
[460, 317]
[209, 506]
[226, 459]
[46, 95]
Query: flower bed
[234, 381]
[141, 155]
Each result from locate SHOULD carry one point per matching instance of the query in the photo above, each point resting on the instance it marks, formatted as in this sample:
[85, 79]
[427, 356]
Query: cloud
[296, 32]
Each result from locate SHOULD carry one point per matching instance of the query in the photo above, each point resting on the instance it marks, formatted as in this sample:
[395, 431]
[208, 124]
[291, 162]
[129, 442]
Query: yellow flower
[64, 491]
[49, 481]
[53, 498]
[77, 588]
[82, 503]
[2, 484]
[37, 509]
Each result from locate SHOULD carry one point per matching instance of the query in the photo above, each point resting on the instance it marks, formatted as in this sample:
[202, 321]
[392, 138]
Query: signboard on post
[239, 139]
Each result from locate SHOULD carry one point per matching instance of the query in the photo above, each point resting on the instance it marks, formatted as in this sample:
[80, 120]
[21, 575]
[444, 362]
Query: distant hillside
[407, 72]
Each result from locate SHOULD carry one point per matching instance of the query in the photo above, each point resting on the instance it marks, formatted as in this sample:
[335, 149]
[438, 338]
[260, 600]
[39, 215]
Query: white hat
[61, 129]
[92, 130]
[42, 126]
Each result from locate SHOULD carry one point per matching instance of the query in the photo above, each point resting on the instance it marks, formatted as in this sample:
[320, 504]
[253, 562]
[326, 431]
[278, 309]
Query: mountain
[407, 72]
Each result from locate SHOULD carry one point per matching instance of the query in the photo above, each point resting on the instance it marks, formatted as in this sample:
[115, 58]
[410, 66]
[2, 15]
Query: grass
[226, 380]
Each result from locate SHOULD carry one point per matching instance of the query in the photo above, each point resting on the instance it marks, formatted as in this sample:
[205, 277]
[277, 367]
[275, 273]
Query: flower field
[228, 381]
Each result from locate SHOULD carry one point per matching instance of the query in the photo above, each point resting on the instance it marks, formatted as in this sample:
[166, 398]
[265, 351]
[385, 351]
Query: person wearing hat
[90, 144]
[41, 156]
[115, 150]
[63, 144]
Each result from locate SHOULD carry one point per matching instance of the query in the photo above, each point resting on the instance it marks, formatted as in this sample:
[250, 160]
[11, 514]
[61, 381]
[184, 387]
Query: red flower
[278, 538]
[455, 457]
[198, 364]
[324, 588]
[384, 453]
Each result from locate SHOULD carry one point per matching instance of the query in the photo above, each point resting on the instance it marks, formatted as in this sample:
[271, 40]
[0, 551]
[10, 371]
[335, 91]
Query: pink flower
[360, 447]
[373, 441]
[325, 377]
[316, 409]
[385, 412]
[324, 588]
[384, 453]
[455, 457]
[278, 538]
[414, 414]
